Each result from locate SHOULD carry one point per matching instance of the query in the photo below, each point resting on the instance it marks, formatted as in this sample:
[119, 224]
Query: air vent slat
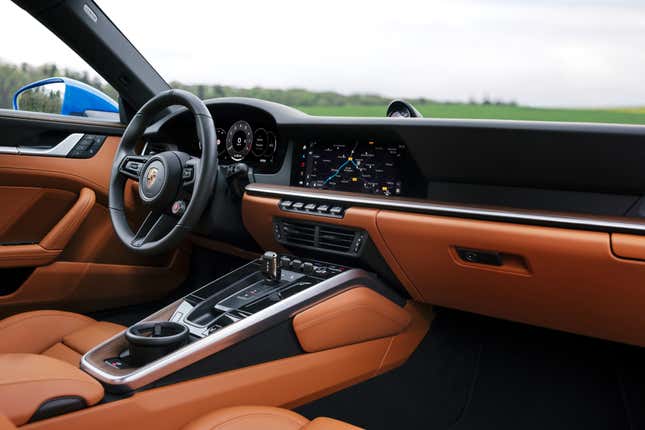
[336, 235]
[333, 246]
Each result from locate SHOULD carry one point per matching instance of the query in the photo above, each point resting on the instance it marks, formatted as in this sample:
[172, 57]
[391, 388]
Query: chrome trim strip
[59, 150]
[8, 150]
[227, 336]
[578, 221]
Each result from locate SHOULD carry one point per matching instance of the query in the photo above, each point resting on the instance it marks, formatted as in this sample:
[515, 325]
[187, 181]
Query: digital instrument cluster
[241, 143]
[363, 165]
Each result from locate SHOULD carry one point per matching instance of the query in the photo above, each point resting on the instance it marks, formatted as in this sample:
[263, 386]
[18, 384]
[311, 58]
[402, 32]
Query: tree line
[14, 76]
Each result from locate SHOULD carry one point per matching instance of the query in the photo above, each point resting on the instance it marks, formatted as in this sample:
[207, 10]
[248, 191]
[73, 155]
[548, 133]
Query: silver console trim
[556, 219]
[228, 335]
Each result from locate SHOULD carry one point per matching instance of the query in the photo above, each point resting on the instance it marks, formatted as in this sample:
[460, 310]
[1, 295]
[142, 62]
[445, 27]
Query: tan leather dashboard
[552, 277]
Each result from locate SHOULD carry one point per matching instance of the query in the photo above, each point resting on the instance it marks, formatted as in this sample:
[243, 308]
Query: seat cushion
[62, 335]
[265, 418]
[27, 381]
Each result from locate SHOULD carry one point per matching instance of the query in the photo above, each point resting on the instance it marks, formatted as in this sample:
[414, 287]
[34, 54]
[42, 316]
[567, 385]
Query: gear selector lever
[271, 266]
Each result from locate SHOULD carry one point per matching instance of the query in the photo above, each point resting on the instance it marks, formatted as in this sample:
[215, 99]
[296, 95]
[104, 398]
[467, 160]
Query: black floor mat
[473, 372]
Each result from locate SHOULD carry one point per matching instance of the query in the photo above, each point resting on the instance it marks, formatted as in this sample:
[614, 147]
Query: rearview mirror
[65, 96]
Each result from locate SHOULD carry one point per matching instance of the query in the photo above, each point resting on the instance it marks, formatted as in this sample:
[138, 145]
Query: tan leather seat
[264, 418]
[62, 335]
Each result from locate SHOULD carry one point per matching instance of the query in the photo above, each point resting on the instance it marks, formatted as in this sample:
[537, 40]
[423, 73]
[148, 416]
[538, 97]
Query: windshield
[506, 59]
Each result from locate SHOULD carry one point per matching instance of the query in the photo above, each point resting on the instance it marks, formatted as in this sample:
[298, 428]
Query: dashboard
[444, 198]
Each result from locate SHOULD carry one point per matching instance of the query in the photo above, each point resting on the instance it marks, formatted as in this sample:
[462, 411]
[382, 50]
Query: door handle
[54, 242]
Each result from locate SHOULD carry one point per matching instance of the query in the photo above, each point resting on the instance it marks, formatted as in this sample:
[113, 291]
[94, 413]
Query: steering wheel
[174, 186]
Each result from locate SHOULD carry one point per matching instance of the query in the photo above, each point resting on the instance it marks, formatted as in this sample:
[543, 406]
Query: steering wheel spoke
[131, 166]
[156, 225]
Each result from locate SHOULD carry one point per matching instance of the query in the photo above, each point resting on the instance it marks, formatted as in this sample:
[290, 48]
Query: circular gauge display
[221, 140]
[239, 140]
[271, 144]
[259, 142]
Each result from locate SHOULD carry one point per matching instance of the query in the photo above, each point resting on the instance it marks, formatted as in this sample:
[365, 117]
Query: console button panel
[312, 208]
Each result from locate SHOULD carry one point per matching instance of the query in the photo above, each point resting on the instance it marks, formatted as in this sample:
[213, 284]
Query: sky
[584, 53]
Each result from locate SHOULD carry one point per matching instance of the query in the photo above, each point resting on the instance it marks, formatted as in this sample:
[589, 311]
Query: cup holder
[152, 340]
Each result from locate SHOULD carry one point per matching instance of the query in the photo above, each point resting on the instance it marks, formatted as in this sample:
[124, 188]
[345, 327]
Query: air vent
[318, 236]
[299, 233]
[335, 239]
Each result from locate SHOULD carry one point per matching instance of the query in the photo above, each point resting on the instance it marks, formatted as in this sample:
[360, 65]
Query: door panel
[31, 212]
[58, 243]
[70, 174]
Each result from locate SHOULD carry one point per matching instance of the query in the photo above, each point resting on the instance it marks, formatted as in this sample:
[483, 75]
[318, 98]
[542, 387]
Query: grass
[455, 110]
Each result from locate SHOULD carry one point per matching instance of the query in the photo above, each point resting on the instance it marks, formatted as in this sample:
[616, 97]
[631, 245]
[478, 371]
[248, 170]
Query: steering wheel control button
[133, 166]
[178, 208]
[187, 173]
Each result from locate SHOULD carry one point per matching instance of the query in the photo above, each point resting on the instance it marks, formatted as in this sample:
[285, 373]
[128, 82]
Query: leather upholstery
[355, 316]
[29, 380]
[265, 418]
[6, 424]
[62, 335]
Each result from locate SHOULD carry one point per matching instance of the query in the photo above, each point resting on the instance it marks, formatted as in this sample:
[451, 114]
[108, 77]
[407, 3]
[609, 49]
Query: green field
[455, 110]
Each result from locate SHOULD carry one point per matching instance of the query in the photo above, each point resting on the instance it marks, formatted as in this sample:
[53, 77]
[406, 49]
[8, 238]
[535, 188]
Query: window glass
[574, 60]
[65, 83]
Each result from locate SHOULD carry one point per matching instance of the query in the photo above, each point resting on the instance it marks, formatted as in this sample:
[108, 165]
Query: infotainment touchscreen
[364, 166]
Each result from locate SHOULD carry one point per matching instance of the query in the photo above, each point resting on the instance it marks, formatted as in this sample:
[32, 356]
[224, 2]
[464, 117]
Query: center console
[243, 303]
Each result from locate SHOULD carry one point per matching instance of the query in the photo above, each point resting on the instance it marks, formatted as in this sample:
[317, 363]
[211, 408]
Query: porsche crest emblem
[151, 177]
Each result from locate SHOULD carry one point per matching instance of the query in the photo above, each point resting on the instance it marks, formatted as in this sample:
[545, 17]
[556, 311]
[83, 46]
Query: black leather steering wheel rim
[201, 186]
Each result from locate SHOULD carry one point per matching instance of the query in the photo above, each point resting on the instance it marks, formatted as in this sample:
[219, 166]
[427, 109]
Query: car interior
[234, 263]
